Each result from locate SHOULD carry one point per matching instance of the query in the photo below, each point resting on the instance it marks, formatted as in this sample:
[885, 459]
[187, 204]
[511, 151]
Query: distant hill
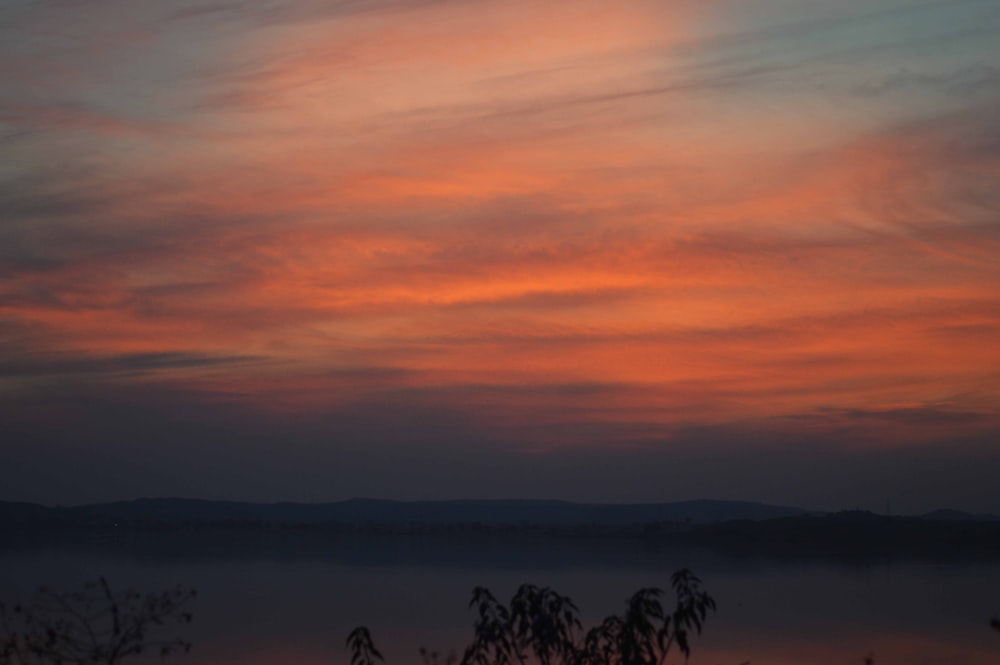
[855, 532]
[375, 511]
[942, 515]
[174, 511]
[12, 512]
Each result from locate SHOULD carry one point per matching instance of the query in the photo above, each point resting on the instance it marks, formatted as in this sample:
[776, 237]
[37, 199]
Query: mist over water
[280, 599]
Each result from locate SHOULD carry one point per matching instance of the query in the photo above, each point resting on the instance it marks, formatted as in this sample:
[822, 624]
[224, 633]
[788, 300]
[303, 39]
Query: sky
[426, 249]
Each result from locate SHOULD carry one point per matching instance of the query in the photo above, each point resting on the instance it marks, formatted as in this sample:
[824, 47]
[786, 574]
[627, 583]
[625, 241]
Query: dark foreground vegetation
[540, 625]
[100, 626]
[93, 626]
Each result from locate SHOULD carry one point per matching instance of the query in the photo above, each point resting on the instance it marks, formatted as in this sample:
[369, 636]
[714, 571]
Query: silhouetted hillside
[853, 532]
[728, 524]
[12, 512]
[373, 511]
[943, 515]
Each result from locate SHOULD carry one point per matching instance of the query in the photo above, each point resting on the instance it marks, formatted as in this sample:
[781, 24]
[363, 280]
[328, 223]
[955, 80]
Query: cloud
[919, 416]
[442, 228]
[129, 364]
[72, 117]
[968, 81]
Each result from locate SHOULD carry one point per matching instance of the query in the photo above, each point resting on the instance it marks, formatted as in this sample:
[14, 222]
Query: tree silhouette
[541, 625]
[363, 651]
[95, 626]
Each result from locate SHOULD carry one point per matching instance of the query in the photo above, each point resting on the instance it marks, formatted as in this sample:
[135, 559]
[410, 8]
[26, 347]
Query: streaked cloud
[605, 228]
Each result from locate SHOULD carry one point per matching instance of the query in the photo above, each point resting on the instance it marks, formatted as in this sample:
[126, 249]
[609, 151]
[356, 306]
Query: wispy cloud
[130, 364]
[610, 227]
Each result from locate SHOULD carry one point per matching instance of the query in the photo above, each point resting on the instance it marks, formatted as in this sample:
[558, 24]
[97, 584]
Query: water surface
[291, 598]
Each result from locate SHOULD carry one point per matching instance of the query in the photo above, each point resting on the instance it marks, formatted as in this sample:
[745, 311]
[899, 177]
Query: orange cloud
[465, 206]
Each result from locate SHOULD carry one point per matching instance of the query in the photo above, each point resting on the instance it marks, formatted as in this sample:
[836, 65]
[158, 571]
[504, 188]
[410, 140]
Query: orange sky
[592, 228]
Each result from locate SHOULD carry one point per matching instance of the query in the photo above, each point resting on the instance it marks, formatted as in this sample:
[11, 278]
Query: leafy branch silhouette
[363, 651]
[91, 627]
[543, 626]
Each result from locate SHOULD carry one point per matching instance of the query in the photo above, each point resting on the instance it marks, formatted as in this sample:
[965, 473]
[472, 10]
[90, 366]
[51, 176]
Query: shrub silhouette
[93, 626]
[97, 626]
[543, 626]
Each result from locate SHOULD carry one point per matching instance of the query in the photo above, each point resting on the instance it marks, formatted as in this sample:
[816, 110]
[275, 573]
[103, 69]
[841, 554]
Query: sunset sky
[418, 249]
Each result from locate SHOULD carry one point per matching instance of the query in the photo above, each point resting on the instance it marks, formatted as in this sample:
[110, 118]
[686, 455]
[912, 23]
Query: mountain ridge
[358, 510]
[363, 510]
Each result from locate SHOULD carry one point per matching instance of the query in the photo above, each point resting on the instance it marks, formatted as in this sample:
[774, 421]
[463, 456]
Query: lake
[291, 598]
